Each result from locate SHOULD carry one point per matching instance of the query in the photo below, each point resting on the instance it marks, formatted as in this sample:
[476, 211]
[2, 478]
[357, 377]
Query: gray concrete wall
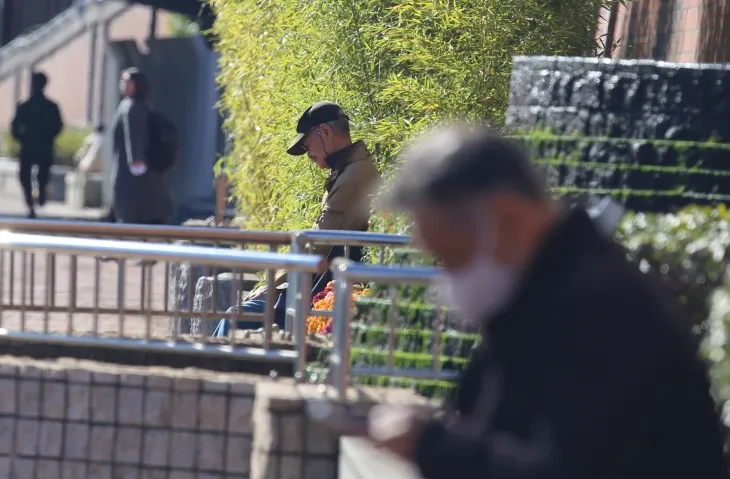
[183, 76]
[72, 419]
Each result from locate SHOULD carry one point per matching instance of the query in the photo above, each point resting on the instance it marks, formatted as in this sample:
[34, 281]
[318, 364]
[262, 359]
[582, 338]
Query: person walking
[35, 126]
[141, 194]
[587, 369]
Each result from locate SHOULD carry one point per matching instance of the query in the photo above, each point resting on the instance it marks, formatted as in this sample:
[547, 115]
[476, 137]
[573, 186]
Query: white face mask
[477, 291]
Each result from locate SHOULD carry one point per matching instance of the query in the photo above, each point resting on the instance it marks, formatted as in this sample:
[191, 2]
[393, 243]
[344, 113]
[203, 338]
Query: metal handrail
[202, 233]
[300, 242]
[160, 232]
[355, 238]
[236, 259]
[155, 251]
[346, 274]
[358, 272]
[300, 308]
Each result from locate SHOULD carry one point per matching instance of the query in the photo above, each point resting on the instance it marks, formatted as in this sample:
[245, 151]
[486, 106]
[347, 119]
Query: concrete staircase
[44, 41]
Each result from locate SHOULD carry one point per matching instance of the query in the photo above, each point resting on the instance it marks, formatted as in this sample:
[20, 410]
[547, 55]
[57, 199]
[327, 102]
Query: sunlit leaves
[396, 66]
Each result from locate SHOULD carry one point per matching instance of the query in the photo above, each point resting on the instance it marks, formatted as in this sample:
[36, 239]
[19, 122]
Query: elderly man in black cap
[323, 133]
[586, 370]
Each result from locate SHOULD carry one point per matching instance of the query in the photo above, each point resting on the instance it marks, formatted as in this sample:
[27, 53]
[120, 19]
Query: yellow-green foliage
[396, 66]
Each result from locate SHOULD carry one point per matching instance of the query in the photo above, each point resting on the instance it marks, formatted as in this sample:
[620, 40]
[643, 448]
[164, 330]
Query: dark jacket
[137, 199]
[590, 373]
[36, 124]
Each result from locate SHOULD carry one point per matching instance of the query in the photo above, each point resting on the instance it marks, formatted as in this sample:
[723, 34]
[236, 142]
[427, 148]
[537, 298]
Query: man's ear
[325, 131]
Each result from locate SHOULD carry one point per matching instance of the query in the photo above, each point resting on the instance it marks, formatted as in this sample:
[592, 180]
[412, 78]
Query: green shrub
[182, 26]
[686, 250]
[716, 346]
[395, 66]
[67, 143]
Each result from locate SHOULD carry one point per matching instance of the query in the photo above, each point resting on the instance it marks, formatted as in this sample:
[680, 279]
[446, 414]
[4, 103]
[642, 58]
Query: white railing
[347, 274]
[58, 285]
[297, 242]
[125, 334]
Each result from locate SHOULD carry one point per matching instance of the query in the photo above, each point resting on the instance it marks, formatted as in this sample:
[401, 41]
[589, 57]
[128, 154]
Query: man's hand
[397, 428]
[258, 293]
[138, 168]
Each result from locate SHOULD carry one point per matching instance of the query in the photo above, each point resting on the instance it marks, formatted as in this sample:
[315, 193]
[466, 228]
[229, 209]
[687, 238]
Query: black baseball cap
[322, 112]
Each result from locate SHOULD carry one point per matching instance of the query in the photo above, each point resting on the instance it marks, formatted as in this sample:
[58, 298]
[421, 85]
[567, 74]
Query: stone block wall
[69, 419]
[654, 134]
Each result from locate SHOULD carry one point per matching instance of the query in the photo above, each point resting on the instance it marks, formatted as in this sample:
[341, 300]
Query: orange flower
[320, 324]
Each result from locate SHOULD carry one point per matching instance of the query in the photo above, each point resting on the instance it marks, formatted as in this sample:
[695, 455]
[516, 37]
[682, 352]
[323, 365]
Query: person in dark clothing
[36, 125]
[109, 217]
[587, 369]
[141, 194]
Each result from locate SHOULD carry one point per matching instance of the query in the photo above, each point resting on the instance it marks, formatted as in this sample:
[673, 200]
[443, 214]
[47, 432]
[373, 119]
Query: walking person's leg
[44, 174]
[25, 168]
[110, 216]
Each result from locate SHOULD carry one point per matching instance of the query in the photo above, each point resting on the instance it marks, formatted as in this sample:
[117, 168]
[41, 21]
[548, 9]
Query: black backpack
[164, 143]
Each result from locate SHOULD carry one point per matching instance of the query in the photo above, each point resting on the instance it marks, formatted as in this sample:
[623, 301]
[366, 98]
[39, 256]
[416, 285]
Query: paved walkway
[24, 280]
[73, 298]
[14, 206]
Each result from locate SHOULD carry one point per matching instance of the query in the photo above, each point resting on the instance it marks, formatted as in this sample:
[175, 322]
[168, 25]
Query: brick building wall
[672, 30]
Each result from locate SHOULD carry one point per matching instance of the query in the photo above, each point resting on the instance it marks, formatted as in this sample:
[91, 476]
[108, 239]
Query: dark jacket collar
[341, 158]
[563, 246]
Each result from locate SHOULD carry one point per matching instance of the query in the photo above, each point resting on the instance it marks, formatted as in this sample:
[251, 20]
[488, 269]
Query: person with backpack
[145, 148]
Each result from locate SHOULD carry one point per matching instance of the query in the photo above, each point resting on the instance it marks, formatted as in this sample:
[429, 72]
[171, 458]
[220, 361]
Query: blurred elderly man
[586, 370]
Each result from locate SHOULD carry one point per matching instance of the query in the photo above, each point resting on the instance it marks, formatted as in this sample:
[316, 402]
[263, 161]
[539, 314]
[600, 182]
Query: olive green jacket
[347, 199]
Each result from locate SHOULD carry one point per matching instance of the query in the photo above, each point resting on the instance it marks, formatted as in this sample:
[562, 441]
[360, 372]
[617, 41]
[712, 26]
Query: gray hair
[340, 126]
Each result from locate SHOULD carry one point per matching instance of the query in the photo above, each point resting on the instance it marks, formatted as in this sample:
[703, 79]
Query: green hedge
[395, 66]
[67, 143]
[686, 250]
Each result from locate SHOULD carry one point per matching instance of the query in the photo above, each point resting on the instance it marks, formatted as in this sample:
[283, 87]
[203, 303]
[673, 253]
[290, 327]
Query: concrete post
[153, 25]
[221, 198]
[91, 82]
